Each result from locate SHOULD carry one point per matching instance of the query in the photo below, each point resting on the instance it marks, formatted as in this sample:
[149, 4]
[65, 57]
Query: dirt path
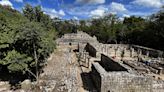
[64, 74]
[61, 72]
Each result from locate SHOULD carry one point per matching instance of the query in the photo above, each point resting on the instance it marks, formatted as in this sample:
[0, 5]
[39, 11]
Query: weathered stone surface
[123, 81]
[115, 76]
[76, 38]
[26, 84]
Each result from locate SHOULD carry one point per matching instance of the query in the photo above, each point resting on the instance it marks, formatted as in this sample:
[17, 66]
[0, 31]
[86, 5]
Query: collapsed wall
[122, 81]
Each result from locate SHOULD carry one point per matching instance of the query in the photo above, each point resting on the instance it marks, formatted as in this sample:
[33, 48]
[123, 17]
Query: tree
[135, 27]
[29, 12]
[36, 14]
[25, 42]
[156, 30]
[16, 62]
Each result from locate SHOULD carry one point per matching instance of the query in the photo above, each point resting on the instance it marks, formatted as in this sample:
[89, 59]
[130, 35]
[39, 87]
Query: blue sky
[85, 9]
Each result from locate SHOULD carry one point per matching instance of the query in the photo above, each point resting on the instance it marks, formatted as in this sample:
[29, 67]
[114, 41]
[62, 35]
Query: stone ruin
[76, 38]
[111, 76]
[134, 73]
[121, 67]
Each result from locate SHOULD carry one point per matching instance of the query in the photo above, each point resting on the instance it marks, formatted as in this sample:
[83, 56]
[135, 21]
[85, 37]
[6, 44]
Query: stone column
[140, 52]
[132, 50]
[101, 47]
[87, 60]
[147, 53]
[160, 70]
[85, 57]
[115, 51]
[107, 50]
[160, 54]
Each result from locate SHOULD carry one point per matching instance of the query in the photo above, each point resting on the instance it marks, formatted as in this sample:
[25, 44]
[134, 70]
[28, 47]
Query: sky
[85, 9]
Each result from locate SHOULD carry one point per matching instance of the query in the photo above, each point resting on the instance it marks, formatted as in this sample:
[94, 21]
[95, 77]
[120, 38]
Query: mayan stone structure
[110, 76]
[118, 67]
[76, 38]
[132, 74]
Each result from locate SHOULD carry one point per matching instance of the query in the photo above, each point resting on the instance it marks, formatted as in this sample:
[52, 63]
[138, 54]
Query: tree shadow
[14, 79]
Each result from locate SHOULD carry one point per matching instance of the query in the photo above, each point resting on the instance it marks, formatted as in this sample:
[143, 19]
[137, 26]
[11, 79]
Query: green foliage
[28, 12]
[132, 30]
[36, 14]
[105, 28]
[146, 31]
[16, 61]
[134, 23]
[22, 35]
[47, 44]
[65, 26]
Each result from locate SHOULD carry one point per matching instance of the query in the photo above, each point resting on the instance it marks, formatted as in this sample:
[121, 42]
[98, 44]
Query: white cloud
[126, 15]
[96, 11]
[149, 3]
[80, 10]
[117, 7]
[19, 1]
[61, 12]
[90, 1]
[53, 13]
[121, 18]
[99, 12]
[6, 3]
[137, 13]
[76, 18]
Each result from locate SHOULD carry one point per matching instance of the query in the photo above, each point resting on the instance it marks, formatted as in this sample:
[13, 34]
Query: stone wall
[123, 81]
[110, 65]
[148, 51]
[91, 50]
[158, 86]
[96, 76]
[130, 50]
[76, 38]
[112, 76]
[113, 50]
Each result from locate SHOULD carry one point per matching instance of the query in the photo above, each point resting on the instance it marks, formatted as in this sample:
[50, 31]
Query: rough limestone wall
[158, 86]
[96, 76]
[125, 82]
[75, 38]
[91, 50]
[111, 65]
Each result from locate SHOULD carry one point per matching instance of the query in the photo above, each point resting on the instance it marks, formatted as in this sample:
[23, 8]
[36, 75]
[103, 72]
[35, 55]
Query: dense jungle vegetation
[26, 40]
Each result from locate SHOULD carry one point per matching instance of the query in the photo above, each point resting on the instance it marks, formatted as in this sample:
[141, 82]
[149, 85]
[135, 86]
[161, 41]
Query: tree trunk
[36, 64]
